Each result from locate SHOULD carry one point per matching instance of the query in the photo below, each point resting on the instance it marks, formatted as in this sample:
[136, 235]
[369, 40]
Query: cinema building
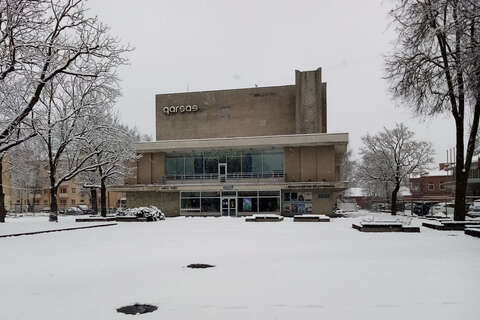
[240, 152]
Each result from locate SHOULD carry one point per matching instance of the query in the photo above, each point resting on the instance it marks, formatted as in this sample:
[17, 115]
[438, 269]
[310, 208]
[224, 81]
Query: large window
[200, 202]
[248, 202]
[240, 164]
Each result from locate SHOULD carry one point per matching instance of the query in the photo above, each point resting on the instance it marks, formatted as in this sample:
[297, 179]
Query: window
[272, 162]
[443, 187]
[211, 166]
[269, 204]
[74, 190]
[244, 163]
[36, 201]
[200, 202]
[82, 201]
[63, 190]
[431, 187]
[63, 201]
[73, 201]
[248, 204]
[45, 201]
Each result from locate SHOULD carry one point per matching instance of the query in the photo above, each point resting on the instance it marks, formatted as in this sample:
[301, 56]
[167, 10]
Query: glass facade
[240, 164]
[247, 202]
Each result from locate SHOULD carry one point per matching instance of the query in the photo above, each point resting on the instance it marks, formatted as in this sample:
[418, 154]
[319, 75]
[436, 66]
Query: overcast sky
[226, 44]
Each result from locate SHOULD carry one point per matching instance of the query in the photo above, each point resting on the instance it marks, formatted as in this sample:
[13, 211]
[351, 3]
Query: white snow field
[279, 270]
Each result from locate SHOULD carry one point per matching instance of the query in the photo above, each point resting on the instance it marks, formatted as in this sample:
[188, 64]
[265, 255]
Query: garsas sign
[181, 109]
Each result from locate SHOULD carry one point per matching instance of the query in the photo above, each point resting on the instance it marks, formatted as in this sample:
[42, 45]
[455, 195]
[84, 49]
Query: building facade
[33, 194]
[240, 152]
[431, 187]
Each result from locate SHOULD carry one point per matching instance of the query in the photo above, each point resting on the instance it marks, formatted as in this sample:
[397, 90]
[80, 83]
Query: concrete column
[311, 105]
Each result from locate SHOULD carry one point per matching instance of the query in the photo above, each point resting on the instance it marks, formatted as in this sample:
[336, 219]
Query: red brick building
[430, 187]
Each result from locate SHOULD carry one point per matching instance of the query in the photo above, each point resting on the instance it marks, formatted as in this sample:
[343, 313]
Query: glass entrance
[229, 206]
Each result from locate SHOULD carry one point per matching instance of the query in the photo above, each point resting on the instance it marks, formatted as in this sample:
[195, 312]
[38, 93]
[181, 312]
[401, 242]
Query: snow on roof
[436, 173]
[355, 192]
[404, 191]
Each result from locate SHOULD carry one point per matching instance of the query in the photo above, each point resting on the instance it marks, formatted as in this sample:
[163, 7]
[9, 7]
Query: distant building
[473, 182]
[240, 152]
[35, 196]
[360, 196]
[431, 187]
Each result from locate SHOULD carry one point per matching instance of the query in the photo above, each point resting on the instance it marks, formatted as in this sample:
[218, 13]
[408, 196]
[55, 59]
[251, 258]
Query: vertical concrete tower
[311, 104]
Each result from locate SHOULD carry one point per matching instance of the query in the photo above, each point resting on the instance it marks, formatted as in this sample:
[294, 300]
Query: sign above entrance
[180, 109]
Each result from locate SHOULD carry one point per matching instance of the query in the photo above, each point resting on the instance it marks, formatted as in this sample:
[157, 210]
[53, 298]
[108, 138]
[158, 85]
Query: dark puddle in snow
[137, 308]
[199, 266]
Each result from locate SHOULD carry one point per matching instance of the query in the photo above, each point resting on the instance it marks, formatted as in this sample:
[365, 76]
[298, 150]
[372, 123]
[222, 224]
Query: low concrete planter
[95, 219]
[130, 219]
[264, 218]
[311, 218]
[450, 225]
[474, 232]
[384, 226]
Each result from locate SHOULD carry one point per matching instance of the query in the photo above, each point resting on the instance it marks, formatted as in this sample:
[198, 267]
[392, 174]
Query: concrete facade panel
[227, 113]
[158, 167]
[168, 202]
[144, 169]
[326, 165]
[308, 164]
[292, 164]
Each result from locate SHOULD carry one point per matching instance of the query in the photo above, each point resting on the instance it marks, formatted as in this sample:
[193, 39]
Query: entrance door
[222, 172]
[229, 206]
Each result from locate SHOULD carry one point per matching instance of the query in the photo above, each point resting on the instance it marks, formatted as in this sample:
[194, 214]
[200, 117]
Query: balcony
[273, 175]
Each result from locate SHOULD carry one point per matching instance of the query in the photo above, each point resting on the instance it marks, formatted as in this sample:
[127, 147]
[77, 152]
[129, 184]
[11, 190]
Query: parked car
[85, 209]
[474, 209]
[74, 211]
[422, 208]
[438, 210]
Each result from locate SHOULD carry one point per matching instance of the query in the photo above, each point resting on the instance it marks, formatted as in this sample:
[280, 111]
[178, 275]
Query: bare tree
[70, 119]
[43, 39]
[3, 210]
[435, 68]
[477, 143]
[392, 156]
[115, 150]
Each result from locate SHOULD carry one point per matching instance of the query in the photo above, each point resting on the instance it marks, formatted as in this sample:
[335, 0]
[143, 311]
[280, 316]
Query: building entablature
[244, 186]
[338, 140]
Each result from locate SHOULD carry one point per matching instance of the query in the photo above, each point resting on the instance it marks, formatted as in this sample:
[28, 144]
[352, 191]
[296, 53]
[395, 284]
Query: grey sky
[222, 44]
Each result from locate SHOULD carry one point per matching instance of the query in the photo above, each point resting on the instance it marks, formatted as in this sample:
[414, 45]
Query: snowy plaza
[281, 270]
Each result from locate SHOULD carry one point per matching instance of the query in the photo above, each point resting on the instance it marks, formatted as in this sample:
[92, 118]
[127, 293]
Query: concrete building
[240, 152]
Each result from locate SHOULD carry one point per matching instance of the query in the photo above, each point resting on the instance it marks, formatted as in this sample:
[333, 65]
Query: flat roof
[339, 140]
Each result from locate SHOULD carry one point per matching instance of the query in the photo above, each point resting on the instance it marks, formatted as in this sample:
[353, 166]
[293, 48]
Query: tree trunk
[394, 199]
[460, 194]
[93, 199]
[461, 175]
[3, 211]
[103, 198]
[53, 204]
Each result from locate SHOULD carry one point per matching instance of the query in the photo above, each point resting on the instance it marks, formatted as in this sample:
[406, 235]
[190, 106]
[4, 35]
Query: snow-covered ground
[281, 270]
